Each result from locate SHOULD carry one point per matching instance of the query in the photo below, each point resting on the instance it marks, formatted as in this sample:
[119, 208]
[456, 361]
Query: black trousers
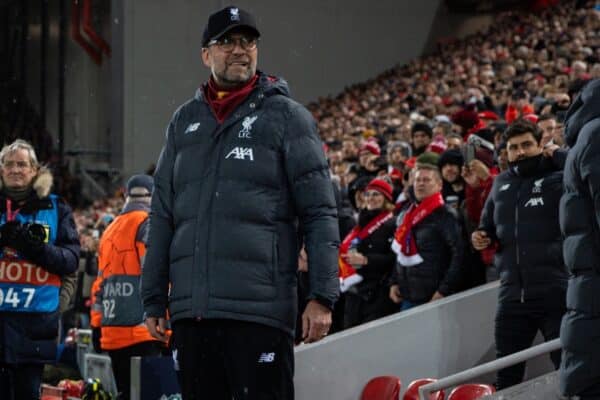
[516, 327]
[121, 363]
[224, 359]
[359, 310]
[20, 382]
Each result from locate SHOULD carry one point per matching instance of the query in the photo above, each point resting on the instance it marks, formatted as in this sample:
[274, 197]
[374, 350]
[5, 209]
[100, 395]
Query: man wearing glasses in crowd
[241, 169]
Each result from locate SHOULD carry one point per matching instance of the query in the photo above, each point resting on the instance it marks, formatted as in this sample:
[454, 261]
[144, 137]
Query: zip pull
[522, 295]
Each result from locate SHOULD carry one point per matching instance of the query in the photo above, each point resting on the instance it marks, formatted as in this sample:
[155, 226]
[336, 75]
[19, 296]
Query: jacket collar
[42, 183]
[133, 205]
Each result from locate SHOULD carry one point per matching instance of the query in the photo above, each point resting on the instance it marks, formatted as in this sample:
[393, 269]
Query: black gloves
[27, 239]
[11, 234]
[96, 335]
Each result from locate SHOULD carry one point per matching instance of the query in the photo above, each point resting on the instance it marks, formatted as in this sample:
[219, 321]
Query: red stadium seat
[382, 388]
[412, 391]
[471, 391]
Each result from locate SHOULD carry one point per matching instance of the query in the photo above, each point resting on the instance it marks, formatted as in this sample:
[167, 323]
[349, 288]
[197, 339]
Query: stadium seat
[382, 388]
[412, 391]
[471, 391]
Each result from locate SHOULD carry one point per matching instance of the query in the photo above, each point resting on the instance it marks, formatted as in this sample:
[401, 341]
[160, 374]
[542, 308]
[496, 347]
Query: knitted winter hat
[140, 182]
[423, 127]
[428, 158]
[382, 187]
[438, 145]
[370, 147]
[453, 157]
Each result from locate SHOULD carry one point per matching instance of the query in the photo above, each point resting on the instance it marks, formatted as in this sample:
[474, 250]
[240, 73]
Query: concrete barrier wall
[434, 340]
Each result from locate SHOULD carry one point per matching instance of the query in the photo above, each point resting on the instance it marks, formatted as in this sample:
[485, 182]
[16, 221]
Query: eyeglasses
[372, 193]
[227, 44]
[18, 164]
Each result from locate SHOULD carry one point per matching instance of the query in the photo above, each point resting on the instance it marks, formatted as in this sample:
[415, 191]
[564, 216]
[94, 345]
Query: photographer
[38, 247]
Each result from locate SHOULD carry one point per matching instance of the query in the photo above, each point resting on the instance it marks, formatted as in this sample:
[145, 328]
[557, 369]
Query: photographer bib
[24, 286]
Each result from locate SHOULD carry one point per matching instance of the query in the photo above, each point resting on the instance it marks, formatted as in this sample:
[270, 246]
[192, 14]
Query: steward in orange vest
[117, 314]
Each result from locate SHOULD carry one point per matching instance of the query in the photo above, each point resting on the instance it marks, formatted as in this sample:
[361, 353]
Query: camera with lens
[34, 233]
[22, 237]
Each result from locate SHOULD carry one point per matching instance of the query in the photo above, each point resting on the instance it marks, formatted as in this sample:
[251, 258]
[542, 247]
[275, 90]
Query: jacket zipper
[216, 135]
[517, 244]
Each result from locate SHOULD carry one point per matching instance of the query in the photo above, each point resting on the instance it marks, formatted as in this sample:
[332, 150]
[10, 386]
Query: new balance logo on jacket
[240, 153]
[266, 358]
[192, 127]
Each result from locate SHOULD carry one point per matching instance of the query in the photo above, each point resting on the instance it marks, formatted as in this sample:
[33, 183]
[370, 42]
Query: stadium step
[544, 387]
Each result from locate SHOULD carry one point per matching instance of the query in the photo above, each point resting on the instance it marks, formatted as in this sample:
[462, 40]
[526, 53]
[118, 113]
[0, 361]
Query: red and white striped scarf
[347, 273]
[404, 244]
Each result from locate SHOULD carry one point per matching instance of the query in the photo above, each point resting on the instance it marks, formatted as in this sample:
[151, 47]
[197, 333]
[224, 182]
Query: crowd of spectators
[424, 113]
[434, 125]
[449, 110]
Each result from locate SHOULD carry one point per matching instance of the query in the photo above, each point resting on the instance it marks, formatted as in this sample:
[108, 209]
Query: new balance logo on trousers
[266, 358]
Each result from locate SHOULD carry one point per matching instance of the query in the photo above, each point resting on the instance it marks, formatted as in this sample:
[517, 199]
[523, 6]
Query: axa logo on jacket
[240, 153]
[534, 202]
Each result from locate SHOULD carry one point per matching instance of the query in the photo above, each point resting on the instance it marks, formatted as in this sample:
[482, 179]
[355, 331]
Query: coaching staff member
[241, 167]
[521, 217]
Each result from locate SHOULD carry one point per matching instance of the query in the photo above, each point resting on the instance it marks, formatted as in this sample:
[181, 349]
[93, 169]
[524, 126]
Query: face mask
[527, 166]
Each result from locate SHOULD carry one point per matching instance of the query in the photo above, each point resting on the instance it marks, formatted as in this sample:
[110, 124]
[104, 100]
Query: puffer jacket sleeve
[155, 270]
[589, 165]
[312, 192]
[453, 237]
[61, 257]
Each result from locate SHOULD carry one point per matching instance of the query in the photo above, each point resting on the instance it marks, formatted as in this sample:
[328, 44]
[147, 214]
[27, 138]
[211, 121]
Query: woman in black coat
[367, 248]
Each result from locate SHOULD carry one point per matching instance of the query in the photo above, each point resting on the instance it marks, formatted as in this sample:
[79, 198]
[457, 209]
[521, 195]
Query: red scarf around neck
[223, 102]
[347, 273]
[404, 244]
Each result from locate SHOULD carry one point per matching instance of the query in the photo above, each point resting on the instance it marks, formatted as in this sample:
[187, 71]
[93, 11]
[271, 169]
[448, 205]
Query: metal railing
[486, 368]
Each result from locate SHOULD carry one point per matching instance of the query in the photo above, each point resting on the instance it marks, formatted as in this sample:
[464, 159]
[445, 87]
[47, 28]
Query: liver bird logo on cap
[235, 14]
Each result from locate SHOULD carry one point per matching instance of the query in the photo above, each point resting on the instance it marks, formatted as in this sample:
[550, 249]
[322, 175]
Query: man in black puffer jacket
[242, 164]
[429, 245]
[520, 216]
[580, 224]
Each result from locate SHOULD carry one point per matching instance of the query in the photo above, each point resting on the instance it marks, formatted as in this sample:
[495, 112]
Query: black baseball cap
[226, 19]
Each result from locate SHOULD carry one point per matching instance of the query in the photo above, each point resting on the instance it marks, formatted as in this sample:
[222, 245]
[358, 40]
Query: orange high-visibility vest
[116, 301]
